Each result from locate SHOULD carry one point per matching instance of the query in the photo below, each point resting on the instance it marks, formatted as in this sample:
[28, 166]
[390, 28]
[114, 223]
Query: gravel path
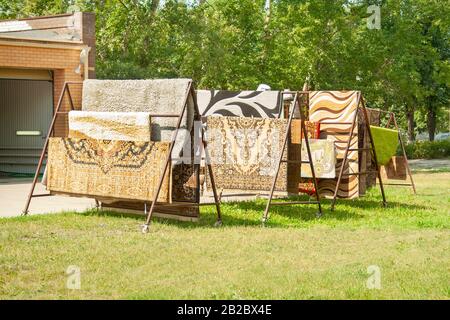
[426, 164]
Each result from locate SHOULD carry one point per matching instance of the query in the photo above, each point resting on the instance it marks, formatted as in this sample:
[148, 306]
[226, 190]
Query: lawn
[296, 256]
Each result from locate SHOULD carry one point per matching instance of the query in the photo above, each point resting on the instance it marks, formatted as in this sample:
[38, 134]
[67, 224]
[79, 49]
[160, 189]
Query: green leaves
[238, 44]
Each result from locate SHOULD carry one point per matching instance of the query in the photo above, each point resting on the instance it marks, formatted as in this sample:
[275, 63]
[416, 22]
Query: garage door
[26, 109]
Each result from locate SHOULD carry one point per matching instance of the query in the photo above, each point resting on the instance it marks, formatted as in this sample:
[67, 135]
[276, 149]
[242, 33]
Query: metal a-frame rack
[360, 107]
[393, 121]
[50, 132]
[301, 99]
[145, 228]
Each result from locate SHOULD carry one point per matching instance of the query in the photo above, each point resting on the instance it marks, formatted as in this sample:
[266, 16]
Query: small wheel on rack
[319, 214]
[98, 205]
[218, 223]
[145, 228]
[264, 221]
[24, 213]
[384, 204]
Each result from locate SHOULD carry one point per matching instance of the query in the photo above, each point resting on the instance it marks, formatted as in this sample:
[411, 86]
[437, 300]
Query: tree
[435, 67]
[237, 44]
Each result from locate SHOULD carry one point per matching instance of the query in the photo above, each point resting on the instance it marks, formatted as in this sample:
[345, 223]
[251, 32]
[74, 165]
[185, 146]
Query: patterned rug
[335, 110]
[184, 183]
[323, 157]
[160, 96]
[257, 104]
[244, 152]
[110, 169]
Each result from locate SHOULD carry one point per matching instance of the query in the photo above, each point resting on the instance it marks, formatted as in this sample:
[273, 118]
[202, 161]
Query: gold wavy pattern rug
[244, 152]
[338, 107]
[111, 169]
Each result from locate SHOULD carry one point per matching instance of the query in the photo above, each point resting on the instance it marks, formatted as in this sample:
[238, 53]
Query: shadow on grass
[376, 204]
[249, 213]
[207, 220]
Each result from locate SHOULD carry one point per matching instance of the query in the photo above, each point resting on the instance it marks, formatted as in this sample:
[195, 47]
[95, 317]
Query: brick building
[37, 55]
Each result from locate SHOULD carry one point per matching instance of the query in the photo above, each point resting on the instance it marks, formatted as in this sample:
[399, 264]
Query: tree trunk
[154, 7]
[431, 122]
[266, 35]
[411, 125]
[149, 17]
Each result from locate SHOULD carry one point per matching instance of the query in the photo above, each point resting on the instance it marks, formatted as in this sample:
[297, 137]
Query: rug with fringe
[244, 152]
[103, 168]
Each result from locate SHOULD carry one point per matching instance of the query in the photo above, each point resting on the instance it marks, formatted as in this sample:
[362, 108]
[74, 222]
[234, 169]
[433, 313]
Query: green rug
[386, 143]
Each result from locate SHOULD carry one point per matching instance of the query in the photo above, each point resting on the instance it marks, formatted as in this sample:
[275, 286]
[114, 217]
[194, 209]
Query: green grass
[297, 256]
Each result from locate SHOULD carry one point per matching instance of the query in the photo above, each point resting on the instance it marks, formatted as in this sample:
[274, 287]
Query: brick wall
[60, 57]
[61, 61]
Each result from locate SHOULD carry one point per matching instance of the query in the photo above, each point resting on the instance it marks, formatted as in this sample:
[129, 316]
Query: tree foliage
[237, 44]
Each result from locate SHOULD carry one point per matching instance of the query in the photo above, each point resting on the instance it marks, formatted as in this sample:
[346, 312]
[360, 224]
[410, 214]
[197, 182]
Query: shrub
[427, 149]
